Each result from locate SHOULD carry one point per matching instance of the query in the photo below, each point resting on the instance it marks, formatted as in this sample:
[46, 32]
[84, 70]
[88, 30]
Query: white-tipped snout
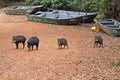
[14, 41]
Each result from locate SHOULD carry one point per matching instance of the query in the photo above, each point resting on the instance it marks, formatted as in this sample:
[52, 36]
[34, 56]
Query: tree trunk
[115, 9]
[2, 2]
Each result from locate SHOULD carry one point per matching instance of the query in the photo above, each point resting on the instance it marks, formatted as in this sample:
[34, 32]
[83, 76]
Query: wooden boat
[61, 17]
[21, 10]
[109, 26]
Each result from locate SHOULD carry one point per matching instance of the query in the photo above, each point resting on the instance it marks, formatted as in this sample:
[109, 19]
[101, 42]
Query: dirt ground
[80, 62]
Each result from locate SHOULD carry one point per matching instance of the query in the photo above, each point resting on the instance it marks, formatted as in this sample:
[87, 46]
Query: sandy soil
[80, 62]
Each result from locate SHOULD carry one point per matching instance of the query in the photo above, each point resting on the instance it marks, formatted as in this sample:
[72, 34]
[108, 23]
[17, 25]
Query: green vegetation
[107, 8]
[77, 5]
[104, 7]
[79, 62]
[118, 63]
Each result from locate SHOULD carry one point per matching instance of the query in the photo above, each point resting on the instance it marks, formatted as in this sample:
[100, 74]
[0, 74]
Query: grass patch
[118, 63]
[79, 62]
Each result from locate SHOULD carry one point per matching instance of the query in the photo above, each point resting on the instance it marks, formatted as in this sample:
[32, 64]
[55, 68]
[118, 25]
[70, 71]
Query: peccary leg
[59, 46]
[23, 45]
[32, 47]
[64, 46]
[16, 45]
[101, 44]
[67, 46]
[36, 46]
[96, 44]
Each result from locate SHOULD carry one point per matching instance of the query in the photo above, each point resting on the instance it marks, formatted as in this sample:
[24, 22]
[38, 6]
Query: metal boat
[21, 10]
[109, 26]
[61, 17]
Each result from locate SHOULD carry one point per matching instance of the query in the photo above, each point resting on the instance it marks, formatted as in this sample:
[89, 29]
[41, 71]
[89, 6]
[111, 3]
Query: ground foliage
[104, 7]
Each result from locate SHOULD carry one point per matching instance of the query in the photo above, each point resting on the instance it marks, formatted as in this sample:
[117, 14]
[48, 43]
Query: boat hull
[66, 21]
[12, 11]
[110, 28]
[15, 12]
[54, 21]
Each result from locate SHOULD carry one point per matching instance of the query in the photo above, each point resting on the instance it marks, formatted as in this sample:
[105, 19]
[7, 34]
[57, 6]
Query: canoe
[61, 17]
[21, 10]
[109, 26]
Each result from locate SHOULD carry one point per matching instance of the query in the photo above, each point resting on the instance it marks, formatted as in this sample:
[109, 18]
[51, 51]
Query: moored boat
[109, 26]
[61, 17]
[21, 10]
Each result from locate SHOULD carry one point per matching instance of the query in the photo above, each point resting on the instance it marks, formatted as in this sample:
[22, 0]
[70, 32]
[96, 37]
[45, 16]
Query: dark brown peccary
[33, 41]
[98, 41]
[19, 39]
[62, 42]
